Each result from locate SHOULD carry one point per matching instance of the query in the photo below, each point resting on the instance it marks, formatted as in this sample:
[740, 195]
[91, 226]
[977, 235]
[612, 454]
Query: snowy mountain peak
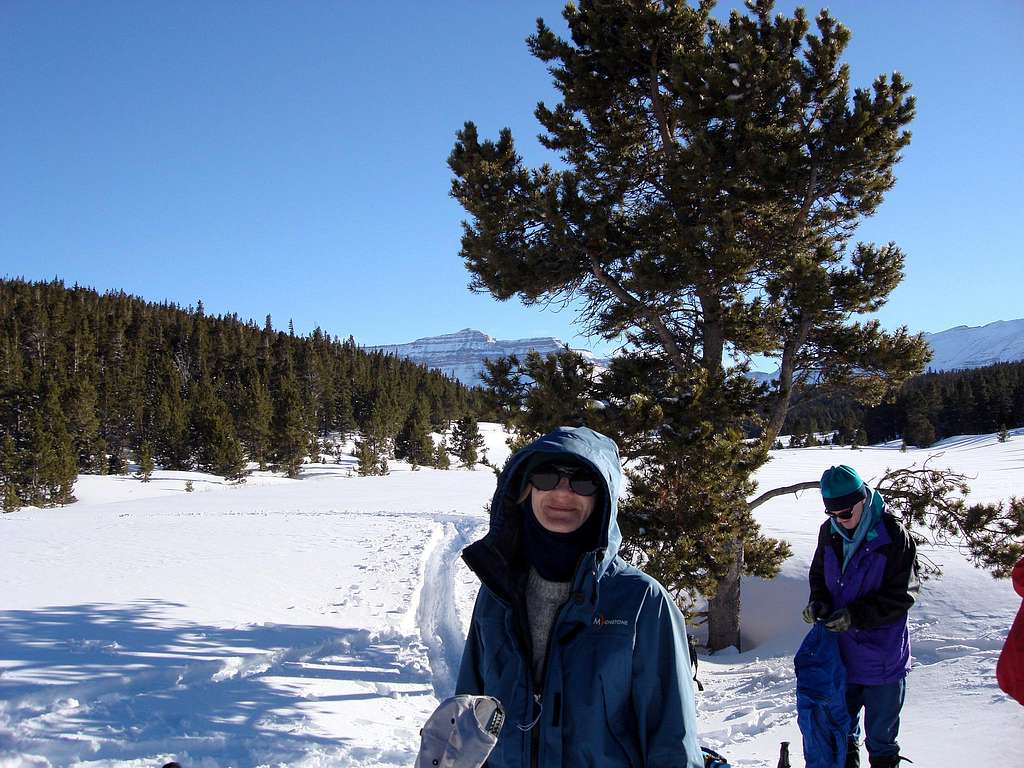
[465, 336]
[977, 346]
[461, 354]
[965, 346]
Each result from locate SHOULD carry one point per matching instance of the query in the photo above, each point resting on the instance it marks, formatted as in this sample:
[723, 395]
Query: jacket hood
[582, 444]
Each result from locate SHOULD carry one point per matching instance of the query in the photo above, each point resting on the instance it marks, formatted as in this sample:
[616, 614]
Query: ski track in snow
[209, 700]
[437, 613]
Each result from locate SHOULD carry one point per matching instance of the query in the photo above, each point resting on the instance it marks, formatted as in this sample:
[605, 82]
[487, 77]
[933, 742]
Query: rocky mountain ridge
[461, 354]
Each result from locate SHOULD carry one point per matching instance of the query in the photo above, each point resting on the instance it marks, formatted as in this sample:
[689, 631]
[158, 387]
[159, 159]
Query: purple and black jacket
[878, 587]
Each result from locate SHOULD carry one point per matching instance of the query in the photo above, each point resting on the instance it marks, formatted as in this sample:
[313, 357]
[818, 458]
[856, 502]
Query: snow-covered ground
[314, 622]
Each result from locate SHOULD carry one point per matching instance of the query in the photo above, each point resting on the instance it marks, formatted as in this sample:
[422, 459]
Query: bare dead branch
[768, 495]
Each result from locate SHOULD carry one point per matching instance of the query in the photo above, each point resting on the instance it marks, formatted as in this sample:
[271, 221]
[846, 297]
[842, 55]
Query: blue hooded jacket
[616, 689]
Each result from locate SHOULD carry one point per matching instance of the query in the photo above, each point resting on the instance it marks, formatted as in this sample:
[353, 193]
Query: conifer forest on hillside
[90, 382]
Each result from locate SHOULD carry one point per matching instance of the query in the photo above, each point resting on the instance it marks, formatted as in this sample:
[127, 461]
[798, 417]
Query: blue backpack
[821, 699]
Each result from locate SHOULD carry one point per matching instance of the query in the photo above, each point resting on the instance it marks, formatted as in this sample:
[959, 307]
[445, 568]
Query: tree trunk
[724, 607]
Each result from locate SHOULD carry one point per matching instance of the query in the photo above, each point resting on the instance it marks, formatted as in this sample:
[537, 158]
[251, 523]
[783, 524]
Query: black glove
[815, 610]
[839, 621]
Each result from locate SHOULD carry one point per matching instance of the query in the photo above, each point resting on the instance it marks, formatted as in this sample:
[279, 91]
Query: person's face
[561, 510]
[858, 512]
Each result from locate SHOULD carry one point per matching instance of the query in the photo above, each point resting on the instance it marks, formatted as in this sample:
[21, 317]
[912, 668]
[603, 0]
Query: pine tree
[919, 430]
[83, 420]
[742, 247]
[146, 465]
[227, 457]
[53, 465]
[171, 428]
[344, 420]
[441, 459]
[1004, 434]
[413, 442]
[101, 461]
[212, 431]
[10, 475]
[368, 457]
[40, 462]
[386, 416]
[505, 388]
[314, 448]
[257, 419]
[290, 432]
[467, 441]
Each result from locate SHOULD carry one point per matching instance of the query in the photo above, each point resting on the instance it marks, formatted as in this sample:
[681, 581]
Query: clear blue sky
[290, 157]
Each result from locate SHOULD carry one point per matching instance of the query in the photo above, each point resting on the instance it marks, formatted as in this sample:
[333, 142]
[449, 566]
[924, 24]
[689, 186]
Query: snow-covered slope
[314, 622]
[974, 347]
[461, 355]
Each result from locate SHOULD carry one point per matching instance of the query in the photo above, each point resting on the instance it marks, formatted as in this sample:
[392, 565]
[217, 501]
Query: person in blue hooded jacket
[863, 582]
[587, 654]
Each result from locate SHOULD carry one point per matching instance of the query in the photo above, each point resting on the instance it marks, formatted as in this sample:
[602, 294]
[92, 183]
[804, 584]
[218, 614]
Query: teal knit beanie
[841, 487]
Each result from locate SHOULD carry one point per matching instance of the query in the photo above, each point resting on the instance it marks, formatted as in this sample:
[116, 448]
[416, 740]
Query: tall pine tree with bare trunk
[711, 178]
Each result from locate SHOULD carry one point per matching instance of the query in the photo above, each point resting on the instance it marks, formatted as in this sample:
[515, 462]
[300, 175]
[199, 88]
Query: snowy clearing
[314, 622]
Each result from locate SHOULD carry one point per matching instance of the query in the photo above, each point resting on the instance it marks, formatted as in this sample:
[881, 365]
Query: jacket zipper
[539, 695]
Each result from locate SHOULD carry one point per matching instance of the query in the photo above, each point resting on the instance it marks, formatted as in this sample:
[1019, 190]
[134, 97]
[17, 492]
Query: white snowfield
[315, 622]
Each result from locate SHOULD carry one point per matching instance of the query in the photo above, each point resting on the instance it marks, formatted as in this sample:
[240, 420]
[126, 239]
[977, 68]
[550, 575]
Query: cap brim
[847, 501]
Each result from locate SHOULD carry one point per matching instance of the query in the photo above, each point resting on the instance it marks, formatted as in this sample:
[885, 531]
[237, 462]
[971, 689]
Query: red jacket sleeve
[1010, 667]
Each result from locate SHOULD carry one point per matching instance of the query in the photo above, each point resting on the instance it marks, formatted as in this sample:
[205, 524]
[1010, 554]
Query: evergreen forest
[90, 382]
[927, 408]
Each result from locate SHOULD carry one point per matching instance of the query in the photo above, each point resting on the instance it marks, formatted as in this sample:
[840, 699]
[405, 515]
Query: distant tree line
[927, 408]
[89, 382]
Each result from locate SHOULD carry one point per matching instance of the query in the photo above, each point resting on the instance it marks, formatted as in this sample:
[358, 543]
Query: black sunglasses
[842, 514]
[581, 481]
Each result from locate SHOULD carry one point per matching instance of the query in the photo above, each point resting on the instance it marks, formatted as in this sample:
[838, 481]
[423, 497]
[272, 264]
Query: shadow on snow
[111, 682]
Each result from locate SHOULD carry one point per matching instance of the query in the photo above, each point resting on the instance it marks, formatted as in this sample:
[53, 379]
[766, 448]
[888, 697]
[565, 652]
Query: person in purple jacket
[863, 581]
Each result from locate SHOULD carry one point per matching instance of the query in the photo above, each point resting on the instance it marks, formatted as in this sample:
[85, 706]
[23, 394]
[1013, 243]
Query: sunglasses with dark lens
[842, 514]
[581, 481]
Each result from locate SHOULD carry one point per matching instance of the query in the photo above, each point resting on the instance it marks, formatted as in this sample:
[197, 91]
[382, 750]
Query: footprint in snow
[741, 712]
